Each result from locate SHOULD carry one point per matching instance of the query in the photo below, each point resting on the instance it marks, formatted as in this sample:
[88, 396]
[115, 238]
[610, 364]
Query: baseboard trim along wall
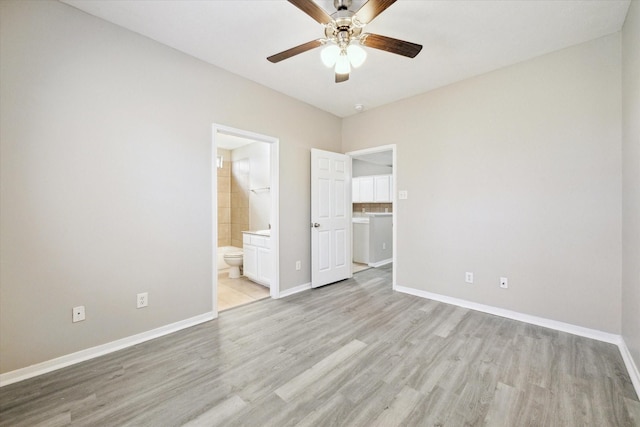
[632, 368]
[93, 352]
[539, 321]
[380, 263]
[294, 290]
[100, 350]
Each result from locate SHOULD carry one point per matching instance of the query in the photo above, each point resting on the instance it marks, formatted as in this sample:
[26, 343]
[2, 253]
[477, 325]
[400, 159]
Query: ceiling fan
[343, 35]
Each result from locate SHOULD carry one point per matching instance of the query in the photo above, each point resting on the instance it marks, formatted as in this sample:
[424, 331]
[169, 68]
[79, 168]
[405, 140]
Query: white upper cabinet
[372, 189]
[355, 190]
[382, 187]
[366, 188]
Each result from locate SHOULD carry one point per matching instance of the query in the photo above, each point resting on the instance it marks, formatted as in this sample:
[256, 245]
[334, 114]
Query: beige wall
[631, 181]
[106, 179]
[514, 173]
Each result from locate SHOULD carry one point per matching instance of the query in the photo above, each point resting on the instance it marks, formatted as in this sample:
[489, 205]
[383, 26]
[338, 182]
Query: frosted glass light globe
[329, 55]
[342, 65]
[357, 55]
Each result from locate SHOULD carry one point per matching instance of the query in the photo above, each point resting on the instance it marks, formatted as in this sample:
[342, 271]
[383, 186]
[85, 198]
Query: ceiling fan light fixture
[329, 55]
[344, 36]
[357, 55]
[342, 64]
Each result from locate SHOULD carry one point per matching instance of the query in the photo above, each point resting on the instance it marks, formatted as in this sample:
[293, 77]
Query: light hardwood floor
[350, 354]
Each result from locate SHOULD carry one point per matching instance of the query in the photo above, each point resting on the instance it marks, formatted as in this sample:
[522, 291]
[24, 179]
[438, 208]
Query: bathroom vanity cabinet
[257, 257]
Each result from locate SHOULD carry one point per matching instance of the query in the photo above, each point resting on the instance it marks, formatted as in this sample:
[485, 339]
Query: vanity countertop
[266, 233]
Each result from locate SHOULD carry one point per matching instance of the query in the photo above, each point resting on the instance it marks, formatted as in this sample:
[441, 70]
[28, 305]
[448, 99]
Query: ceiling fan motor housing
[342, 4]
[344, 28]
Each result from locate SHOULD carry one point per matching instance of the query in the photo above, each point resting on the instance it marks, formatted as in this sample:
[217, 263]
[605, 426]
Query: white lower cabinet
[250, 261]
[264, 266]
[361, 242]
[257, 258]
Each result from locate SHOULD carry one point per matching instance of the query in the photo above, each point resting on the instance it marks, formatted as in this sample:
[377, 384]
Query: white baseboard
[632, 368]
[100, 350]
[294, 290]
[380, 263]
[539, 321]
[534, 320]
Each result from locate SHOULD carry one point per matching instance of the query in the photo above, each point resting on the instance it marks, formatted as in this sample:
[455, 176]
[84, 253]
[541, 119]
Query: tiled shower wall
[239, 200]
[224, 199]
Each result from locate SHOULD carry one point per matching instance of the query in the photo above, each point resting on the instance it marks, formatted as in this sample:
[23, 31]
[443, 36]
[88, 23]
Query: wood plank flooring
[350, 354]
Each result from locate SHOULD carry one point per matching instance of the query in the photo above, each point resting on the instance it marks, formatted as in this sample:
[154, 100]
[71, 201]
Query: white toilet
[234, 260]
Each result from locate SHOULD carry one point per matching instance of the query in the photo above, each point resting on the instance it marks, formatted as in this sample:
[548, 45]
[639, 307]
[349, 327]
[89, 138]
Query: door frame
[394, 200]
[274, 150]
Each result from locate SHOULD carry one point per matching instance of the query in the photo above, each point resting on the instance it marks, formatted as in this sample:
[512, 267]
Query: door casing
[218, 129]
[396, 208]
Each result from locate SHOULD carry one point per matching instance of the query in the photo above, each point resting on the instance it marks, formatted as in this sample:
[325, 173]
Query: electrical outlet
[298, 265]
[142, 300]
[78, 314]
[403, 195]
[384, 246]
[468, 277]
[504, 283]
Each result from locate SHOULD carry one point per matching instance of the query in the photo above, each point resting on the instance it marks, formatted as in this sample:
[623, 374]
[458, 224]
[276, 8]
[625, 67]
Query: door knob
[315, 225]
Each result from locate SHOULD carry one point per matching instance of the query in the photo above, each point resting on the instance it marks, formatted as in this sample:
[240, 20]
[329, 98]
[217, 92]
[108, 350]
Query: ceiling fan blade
[389, 44]
[373, 8]
[313, 10]
[342, 77]
[295, 51]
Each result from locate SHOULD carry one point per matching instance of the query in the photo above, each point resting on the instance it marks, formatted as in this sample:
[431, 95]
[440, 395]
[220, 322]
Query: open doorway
[245, 217]
[374, 208]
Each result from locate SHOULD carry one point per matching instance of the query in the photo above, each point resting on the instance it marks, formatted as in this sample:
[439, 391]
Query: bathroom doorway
[245, 217]
[374, 208]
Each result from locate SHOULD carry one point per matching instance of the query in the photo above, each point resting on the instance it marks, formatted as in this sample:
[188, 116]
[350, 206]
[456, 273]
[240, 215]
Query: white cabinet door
[382, 186]
[372, 189]
[361, 243]
[250, 261]
[355, 190]
[264, 266]
[366, 189]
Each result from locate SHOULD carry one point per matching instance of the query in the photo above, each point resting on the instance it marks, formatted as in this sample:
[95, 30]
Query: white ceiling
[381, 158]
[231, 142]
[461, 39]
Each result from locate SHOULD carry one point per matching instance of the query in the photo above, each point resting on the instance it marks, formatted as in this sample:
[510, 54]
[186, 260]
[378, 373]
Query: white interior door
[330, 217]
